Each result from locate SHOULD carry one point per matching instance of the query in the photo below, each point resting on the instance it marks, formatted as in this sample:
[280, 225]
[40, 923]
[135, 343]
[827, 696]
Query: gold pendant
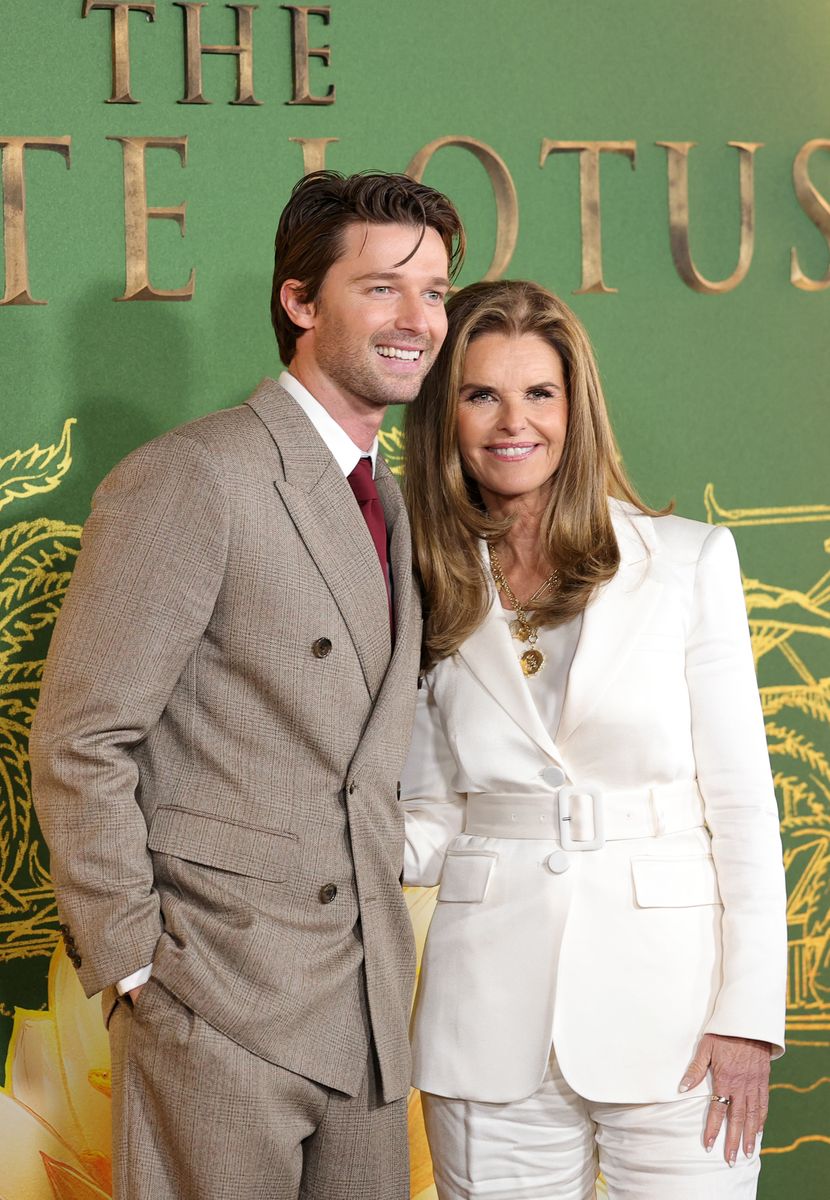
[520, 629]
[532, 661]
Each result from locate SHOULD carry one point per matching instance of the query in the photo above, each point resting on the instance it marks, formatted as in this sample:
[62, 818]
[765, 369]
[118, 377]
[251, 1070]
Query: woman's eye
[540, 394]
[481, 397]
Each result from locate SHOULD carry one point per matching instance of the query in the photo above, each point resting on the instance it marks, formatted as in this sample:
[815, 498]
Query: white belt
[585, 817]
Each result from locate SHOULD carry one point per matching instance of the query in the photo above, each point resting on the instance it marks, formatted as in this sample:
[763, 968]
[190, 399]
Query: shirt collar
[343, 450]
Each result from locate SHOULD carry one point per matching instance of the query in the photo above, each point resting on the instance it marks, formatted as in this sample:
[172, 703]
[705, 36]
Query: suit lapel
[611, 622]
[321, 504]
[489, 653]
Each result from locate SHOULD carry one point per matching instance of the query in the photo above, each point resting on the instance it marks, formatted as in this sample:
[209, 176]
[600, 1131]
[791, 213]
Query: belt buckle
[564, 815]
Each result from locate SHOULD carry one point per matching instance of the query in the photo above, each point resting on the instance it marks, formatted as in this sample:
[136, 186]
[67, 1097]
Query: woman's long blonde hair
[445, 508]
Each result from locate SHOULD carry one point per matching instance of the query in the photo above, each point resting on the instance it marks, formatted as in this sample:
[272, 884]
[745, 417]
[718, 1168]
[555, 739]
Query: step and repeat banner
[664, 167]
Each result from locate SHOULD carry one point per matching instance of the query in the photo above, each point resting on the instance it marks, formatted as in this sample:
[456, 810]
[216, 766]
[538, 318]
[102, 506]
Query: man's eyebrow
[436, 281]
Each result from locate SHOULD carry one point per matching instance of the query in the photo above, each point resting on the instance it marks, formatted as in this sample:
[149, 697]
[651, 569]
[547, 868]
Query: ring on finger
[720, 1099]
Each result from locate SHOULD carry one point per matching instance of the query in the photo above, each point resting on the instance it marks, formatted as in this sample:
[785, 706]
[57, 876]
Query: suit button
[557, 862]
[328, 892]
[74, 957]
[553, 775]
[321, 648]
[64, 929]
[398, 788]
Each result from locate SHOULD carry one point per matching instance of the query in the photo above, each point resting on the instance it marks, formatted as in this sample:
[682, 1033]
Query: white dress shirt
[343, 450]
[347, 455]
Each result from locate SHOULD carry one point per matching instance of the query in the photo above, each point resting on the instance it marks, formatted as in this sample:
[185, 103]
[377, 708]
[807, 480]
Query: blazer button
[328, 892]
[555, 776]
[74, 957]
[321, 648]
[557, 862]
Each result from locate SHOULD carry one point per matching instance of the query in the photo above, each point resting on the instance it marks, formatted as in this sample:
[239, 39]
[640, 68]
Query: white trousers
[552, 1145]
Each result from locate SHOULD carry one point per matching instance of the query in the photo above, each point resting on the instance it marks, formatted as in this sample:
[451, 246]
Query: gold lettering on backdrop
[243, 51]
[15, 246]
[137, 214]
[121, 43]
[302, 52]
[816, 208]
[504, 190]
[678, 173]
[589, 205]
[314, 152]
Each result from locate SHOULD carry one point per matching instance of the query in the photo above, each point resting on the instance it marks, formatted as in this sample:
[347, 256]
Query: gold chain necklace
[522, 629]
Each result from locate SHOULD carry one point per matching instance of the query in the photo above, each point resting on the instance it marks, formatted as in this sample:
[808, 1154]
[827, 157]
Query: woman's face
[512, 416]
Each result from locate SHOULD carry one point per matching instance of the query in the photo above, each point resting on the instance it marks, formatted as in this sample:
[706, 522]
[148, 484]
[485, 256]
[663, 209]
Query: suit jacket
[626, 957]
[219, 738]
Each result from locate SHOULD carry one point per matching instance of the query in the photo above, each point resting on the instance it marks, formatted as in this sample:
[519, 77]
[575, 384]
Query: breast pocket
[675, 882]
[466, 876]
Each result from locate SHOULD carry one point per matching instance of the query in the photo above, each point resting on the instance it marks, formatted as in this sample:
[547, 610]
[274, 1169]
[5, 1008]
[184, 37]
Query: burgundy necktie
[366, 494]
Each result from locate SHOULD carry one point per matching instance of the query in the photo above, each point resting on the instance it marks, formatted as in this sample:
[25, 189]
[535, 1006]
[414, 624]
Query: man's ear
[302, 312]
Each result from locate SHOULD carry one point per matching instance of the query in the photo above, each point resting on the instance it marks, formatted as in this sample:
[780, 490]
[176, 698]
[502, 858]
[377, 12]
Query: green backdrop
[720, 401]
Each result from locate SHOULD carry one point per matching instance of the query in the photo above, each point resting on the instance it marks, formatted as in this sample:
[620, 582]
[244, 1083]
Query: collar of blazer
[321, 504]
[619, 610]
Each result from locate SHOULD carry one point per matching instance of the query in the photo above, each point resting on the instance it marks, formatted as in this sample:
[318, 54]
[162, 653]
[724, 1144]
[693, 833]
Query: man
[225, 711]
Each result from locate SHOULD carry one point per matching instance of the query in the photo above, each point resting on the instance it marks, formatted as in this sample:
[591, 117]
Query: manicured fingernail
[750, 1150]
[732, 1157]
[709, 1145]
[685, 1085]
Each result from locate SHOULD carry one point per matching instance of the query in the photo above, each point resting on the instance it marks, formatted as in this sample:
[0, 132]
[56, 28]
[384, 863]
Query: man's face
[378, 322]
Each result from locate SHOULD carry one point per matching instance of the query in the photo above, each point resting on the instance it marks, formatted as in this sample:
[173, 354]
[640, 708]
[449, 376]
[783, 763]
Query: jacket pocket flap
[466, 876]
[675, 882]
[217, 842]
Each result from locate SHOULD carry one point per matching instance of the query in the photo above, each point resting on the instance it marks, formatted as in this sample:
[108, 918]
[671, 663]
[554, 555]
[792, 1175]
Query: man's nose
[412, 315]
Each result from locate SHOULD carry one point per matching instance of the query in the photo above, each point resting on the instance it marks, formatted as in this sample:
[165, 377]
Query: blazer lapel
[489, 653]
[612, 621]
[321, 504]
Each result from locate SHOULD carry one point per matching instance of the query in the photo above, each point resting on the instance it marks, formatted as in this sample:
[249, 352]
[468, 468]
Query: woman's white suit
[622, 955]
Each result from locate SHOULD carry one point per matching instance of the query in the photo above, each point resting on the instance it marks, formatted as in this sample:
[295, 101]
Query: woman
[603, 979]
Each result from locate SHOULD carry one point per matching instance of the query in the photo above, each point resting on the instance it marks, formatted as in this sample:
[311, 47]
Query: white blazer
[630, 953]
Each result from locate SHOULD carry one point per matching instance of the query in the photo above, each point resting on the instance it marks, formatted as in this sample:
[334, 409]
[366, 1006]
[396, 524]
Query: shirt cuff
[135, 980]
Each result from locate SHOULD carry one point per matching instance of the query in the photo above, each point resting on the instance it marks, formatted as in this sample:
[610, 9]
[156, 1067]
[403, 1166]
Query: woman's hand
[740, 1089]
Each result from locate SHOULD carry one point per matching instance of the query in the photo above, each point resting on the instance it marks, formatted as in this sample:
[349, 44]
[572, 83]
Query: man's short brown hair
[322, 206]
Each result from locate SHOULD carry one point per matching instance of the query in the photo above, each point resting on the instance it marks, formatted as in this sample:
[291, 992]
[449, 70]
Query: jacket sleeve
[739, 798]
[142, 594]
[434, 812]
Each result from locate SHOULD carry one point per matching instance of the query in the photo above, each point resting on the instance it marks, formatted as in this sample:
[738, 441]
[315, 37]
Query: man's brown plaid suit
[215, 756]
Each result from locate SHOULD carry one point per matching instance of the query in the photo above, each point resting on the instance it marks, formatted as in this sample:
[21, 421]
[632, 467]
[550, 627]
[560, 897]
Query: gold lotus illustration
[36, 560]
[791, 642]
[391, 443]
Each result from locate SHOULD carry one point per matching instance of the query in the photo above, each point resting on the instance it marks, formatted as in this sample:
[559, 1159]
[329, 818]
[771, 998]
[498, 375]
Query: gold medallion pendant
[520, 630]
[532, 661]
[521, 627]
